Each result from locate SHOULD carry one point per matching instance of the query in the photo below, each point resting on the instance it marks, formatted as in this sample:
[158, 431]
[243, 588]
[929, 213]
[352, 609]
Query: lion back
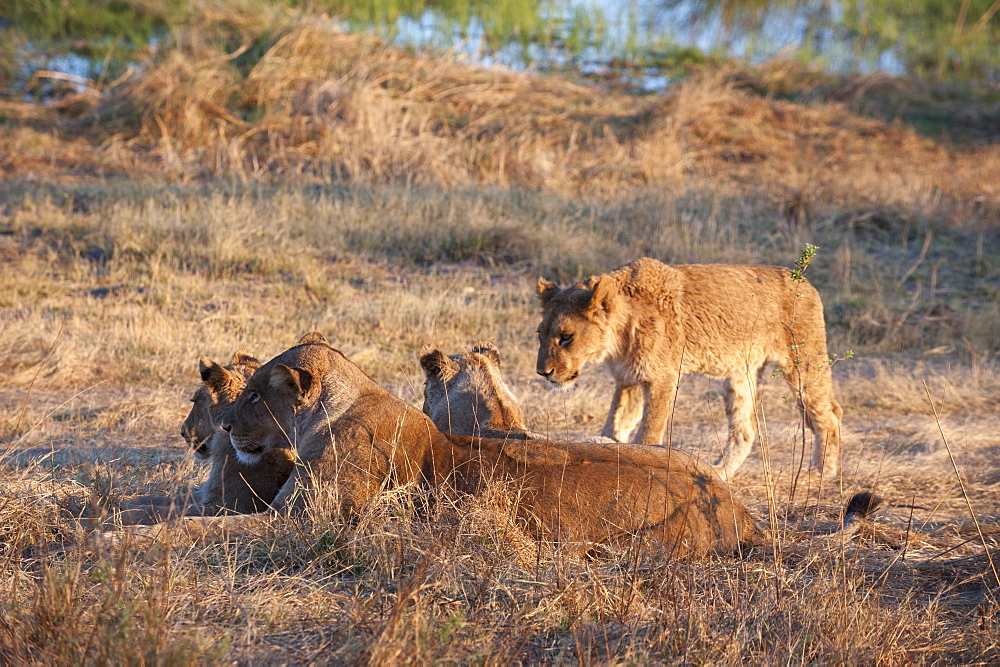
[611, 493]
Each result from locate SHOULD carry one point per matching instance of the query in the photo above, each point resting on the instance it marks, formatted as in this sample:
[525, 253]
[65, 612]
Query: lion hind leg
[740, 402]
[822, 414]
[824, 418]
[809, 377]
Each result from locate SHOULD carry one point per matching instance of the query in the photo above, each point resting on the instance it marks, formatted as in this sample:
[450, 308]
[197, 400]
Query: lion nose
[227, 427]
[545, 374]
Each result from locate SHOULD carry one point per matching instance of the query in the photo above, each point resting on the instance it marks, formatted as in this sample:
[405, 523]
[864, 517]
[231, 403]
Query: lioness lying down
[649, 323]
[457, 381]
[357, 437]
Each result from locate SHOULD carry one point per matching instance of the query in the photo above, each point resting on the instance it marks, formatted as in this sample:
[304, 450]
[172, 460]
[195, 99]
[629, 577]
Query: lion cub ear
[603, 296]
[488, 349]
[437, 364]
[314, 338]
[215, 377]
[545, 290]
[243, 357]
[290, 381]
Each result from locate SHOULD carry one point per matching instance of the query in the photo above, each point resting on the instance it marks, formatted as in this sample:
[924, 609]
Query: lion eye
[565, 339]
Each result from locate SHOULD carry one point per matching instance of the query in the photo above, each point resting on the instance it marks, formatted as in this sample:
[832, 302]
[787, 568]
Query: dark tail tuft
[860, 506]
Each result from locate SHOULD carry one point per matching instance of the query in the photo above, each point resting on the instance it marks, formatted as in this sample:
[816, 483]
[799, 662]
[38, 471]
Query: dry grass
[320, 181]
[116, 301]
[421, 579]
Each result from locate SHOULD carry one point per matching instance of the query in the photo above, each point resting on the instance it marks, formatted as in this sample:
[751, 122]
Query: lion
[475, 379]
[199, 427]
[354, 435]
[650, 323]
[231, 485]
[465, 394]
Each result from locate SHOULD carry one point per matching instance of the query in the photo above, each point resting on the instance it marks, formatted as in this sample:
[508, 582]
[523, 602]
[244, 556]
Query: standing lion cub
[649, 323]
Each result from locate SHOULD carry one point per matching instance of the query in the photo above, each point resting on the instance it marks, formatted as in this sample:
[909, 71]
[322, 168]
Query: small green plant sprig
[806, 257]
[803, 262]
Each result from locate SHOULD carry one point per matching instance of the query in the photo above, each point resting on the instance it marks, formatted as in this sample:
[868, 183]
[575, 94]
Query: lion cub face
[198, 428]
[575, 328]
[208, 404]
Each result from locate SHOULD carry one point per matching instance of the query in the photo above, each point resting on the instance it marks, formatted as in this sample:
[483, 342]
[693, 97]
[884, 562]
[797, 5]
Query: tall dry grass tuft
[104, 611]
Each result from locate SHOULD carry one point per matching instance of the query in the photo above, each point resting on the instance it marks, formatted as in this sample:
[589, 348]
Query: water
[644, 43]
[651, 40]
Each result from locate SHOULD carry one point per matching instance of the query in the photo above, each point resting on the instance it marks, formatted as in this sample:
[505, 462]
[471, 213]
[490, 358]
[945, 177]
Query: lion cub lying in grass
[232, 486]
[649, 323]
[356, 436]
[465, 394]
[199, 427]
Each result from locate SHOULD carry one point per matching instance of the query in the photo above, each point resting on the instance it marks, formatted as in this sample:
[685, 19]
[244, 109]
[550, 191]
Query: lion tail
[859, 507]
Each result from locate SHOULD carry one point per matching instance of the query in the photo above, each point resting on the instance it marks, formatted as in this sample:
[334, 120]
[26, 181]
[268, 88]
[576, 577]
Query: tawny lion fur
[649, 323]
[465, 394]
[358, 438]
[198, 428]
[477, 380]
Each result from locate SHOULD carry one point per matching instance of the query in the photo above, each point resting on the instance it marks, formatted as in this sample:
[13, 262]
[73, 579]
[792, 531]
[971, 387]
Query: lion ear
[294, 382]
[545, 290]
[603, 296]
[243, 357]
[314, 338]
[437, 364]
[488, 349]
[215, 377]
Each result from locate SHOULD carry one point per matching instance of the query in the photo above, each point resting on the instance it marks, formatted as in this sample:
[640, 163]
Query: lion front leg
[658, 410]
[625, 412]
[291, 496]
[740, 403]
[343, 488]
[149, 510]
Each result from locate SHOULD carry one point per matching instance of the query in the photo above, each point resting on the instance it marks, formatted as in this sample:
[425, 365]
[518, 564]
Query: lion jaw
[247, 451]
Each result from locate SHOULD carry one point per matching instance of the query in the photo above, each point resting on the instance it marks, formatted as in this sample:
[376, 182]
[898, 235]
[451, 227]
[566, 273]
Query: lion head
[198, 428]
[257, 424]
[575, 328]
[465, 394]
[201, 423]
